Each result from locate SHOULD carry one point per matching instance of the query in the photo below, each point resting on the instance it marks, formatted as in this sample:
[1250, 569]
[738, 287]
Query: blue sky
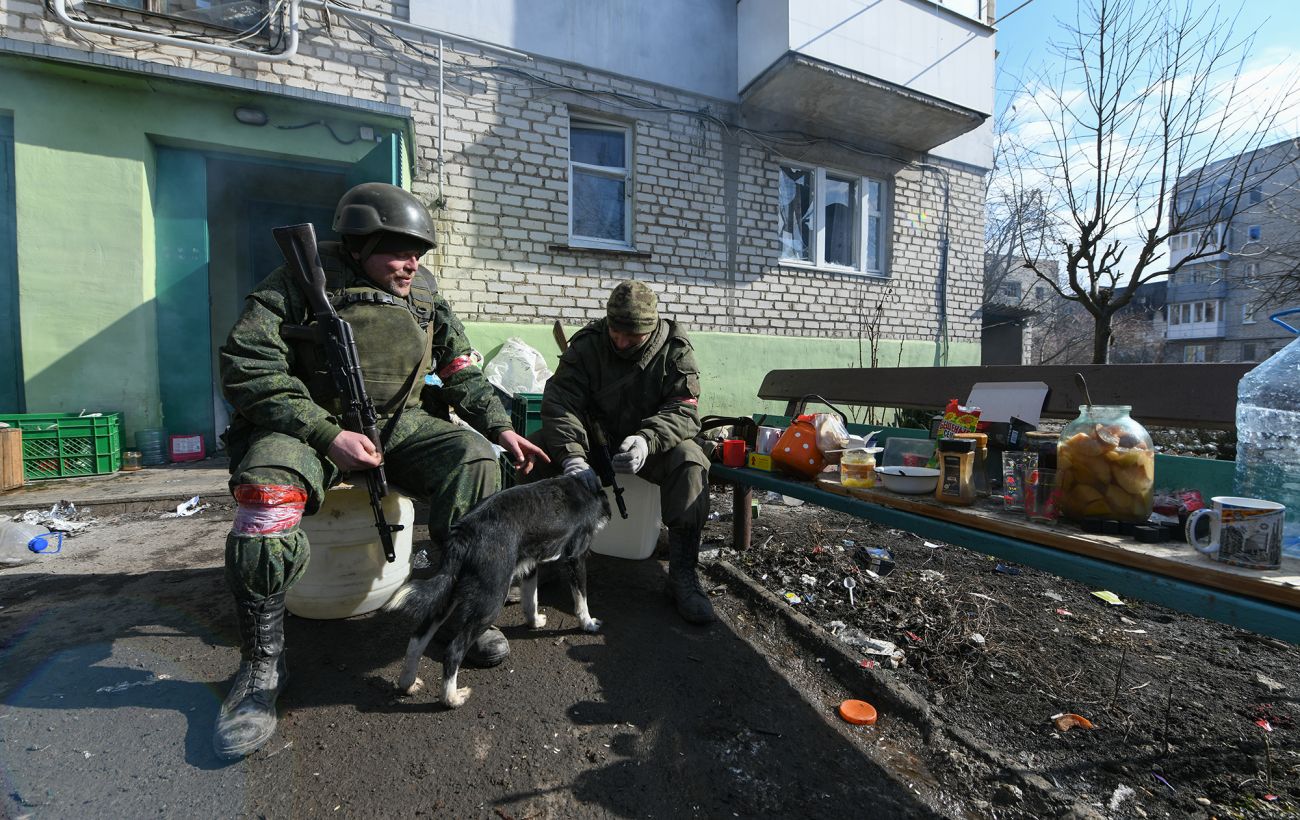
[1024, 34]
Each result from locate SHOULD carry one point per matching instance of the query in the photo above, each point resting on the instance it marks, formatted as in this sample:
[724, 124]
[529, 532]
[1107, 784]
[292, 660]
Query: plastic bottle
[1268, 438]
[17, 540]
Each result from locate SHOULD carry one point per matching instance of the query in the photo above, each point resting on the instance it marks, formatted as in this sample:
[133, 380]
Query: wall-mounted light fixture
[251, 116]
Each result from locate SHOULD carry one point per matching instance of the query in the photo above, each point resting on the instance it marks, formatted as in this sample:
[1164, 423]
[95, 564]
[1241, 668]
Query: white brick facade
[705, 205]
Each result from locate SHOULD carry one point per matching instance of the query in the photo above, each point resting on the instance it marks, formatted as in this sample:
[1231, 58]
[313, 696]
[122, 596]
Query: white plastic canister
[634, 537]
[347, 574]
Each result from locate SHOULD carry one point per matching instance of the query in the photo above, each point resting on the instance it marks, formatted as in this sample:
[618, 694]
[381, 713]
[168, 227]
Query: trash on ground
[932, 576]
[1062, 611]
[1121, 794]
[710, 555]
[858, 712]
[1068, 720]
[62, 517]
[977, 639]
[1168, 785]
[932, 545]
[1006, 569]
[187, 509]
[1055, 596]
[791, 598]
[1109, 597]
[850, 585]
[807, 580]
[875, 559]
[23, 543]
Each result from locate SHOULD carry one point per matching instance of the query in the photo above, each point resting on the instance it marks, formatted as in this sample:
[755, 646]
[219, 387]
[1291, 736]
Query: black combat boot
[683, 584]
[247, 718]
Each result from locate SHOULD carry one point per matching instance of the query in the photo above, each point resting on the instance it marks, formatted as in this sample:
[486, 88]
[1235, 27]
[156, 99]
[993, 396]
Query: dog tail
[416, 599]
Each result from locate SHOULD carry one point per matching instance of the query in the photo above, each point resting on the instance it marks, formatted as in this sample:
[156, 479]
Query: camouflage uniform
[285, 418]
[650, 391]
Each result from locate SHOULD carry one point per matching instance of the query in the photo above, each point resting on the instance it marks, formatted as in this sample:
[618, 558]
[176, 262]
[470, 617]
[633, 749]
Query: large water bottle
[1268, 435]
[22, 543]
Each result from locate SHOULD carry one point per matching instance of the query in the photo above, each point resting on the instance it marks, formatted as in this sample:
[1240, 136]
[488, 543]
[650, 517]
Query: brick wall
[705, 223]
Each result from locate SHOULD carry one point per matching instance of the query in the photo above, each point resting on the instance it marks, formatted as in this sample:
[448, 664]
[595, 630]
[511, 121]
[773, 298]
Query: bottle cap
[858, 712]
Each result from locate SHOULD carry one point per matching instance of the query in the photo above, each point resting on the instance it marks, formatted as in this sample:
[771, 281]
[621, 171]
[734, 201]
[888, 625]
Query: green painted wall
[85, 183]
[732, 365]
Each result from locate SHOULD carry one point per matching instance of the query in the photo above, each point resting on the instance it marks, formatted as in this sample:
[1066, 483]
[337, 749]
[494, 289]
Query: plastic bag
[517, 368]
[831, 435]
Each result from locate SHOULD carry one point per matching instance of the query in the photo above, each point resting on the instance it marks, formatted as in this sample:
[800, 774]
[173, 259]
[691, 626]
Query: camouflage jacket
[655, 396]
[265, 378]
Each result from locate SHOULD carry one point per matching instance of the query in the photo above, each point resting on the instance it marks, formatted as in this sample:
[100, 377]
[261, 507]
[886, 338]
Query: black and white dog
[502, 539]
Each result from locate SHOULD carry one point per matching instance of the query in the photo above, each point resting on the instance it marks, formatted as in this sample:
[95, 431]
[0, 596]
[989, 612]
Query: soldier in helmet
[634, 373]
[286, 446]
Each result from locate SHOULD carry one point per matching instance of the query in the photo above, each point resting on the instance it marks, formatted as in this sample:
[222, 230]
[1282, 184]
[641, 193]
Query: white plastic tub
[347, 574]
[635, 537]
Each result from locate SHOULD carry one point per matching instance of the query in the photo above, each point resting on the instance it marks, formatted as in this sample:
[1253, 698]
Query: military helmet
[374, 207]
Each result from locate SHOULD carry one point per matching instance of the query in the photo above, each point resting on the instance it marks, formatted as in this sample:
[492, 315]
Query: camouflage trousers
[448, 466]
[681, 473]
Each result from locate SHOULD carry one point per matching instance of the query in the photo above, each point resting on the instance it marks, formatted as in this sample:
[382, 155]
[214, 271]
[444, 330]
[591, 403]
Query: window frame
[1255, 233]
[158, 8]
[867, 208]
[627, 175]
[1247, 315]
[1190, 354]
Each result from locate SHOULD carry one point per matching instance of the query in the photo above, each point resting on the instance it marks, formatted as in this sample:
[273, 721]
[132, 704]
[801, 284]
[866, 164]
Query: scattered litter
[714, 515]
[849, 542]
[791, 598]
[932, 545]
[1109, 597]
[187, 509]
[1166, 782]
[867, 664]
[985, 597]
[1067, 613]
[1121, 794]
[977, 639]
[875, 559]
[1139, 686]
[1270, 797]
[1264, 724]
[932, 576]
[122, 687]
[62, 517]
[1134, 631]
[1268, 683]
[872, 646]
[835, 626]
[1053, 595]
[912, 636]
[850, 584]
[1068, 720]
[705, 555]
[808, 580]
[1006, 569]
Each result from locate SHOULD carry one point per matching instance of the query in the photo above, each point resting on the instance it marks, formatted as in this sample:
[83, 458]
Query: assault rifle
[298, 244]
[603, 463]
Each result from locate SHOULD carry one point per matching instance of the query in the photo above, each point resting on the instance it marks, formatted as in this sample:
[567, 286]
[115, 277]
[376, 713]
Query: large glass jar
[1106, 465]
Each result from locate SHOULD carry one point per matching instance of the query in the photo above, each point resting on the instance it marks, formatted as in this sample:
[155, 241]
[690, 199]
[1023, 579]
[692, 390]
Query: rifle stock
[298, 244]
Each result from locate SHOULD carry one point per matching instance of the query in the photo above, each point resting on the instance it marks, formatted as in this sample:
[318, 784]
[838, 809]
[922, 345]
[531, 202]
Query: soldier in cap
[634, 373]
[286, 445]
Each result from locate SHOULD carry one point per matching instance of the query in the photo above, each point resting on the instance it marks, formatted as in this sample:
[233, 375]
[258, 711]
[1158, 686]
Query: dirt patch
[1190, 717]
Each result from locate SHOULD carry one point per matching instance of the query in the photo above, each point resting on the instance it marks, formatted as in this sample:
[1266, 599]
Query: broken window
[831, 220]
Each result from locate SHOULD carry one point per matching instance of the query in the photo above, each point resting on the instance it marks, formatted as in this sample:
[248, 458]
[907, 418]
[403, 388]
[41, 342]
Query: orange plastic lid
[858, 712]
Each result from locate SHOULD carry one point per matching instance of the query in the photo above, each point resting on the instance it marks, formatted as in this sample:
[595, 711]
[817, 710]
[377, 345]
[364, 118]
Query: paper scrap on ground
[1109, 597]
[187, 509]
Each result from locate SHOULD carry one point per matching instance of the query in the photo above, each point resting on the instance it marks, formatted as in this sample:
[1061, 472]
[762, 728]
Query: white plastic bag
[831, 435]
[517, 368]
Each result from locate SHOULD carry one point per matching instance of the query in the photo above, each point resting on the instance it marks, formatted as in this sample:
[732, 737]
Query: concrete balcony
[1181, 290]
[1196, 330]
[905, 72]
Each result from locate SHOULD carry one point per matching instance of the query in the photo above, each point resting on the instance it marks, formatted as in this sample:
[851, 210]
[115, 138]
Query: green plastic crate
[526, 413]
[59, 445]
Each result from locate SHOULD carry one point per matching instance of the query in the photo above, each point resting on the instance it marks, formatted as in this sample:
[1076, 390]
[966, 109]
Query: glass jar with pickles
[1106, 466]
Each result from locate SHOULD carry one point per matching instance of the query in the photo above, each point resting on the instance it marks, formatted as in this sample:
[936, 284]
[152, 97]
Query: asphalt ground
[115, 654]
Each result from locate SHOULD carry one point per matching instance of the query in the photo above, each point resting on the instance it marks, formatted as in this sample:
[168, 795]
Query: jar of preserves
[858, 468]
[1106, 465]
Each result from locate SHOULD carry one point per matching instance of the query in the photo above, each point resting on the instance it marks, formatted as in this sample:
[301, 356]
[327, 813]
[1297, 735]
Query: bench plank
[1175, 395]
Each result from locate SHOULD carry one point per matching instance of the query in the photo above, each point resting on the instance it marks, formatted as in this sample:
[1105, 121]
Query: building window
[1255, 233]
[1247, 315]
[1256, 196]
[244, 15]
[1248, 352]
[831, 220]
[1040, 293]
[600, 184]
[1252, 272]
[1011, 289]
[1196, 353]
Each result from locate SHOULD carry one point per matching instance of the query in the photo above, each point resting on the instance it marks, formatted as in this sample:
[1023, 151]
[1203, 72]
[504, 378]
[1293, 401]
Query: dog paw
[411, 689]
[457, 698]
[539, 621]
[592, 625]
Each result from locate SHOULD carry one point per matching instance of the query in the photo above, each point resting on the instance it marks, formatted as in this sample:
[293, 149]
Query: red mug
[733, 452]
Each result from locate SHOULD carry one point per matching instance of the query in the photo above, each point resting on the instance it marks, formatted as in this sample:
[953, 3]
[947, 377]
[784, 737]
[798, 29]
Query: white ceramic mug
[766, 439]
[1244, 532]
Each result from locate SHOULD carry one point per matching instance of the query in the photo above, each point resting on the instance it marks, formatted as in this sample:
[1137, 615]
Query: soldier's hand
[631, 455]
[522, 451]
[353, 451]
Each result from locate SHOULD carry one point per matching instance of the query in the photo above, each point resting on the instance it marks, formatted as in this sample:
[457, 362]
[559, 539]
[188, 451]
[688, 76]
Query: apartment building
[771, 167]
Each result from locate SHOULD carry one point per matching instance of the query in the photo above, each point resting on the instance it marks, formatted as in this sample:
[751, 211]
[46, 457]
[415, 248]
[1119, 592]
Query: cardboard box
[11, 458]
[759, 461]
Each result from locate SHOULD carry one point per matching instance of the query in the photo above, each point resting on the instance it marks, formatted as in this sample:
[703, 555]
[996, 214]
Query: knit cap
[633, 308]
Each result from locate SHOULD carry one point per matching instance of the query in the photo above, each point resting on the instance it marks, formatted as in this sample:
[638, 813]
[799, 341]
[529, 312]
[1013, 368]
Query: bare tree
[1147, 98]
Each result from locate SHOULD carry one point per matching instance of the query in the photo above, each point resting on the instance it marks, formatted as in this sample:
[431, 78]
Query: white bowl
[909, 480]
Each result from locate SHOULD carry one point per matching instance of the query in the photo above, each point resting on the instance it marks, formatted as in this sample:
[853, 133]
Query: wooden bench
[1172, 574]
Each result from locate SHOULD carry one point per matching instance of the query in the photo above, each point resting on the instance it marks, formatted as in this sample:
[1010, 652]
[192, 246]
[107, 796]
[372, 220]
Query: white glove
[575, 464]
[631, 455]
